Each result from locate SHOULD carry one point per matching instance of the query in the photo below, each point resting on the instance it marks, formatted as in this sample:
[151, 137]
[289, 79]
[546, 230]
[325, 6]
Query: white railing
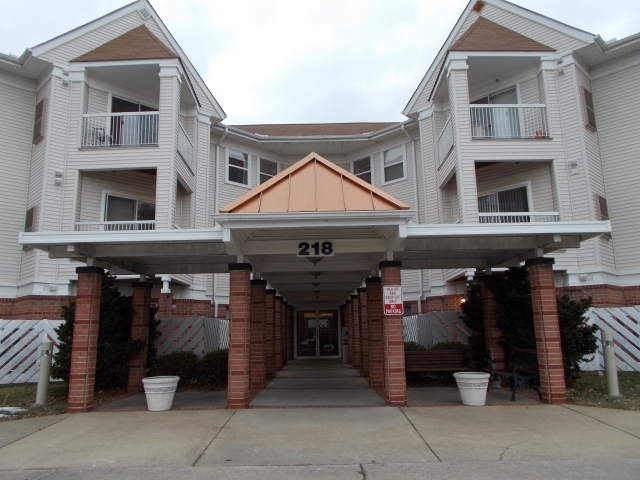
[120, 129]
[445, 140]
[509, 121]
[115, 226]
[185, 147]
[518, 217]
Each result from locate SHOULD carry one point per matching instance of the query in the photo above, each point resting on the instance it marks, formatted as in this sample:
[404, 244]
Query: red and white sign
[392, 298]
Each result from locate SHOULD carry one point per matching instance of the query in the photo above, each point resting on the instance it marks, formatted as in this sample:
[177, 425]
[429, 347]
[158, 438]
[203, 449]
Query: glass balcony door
[317, 334]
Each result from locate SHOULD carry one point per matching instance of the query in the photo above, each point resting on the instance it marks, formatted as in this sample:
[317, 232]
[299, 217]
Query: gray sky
[280, 61]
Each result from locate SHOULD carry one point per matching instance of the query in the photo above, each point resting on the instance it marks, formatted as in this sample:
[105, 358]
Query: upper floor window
[512, 200]
[393, 160]
[38, 122]
[362, 169]
[589, 109]
[237, 167]
[122, 209]
[30, 220]
[602, 209]
[128, 129]
[268, 169]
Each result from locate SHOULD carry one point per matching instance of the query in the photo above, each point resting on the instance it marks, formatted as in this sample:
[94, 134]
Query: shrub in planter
[414, 347]
[213, 369]
[181, 364]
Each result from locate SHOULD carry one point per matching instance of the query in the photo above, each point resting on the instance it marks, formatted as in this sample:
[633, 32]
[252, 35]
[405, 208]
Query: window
[589, 109]
[393, 163]
[238, 167]
[602, 209]
[121, 209]
[30, 220]
[38, 123]
[268, 169]
[513, 200]
[362, 169]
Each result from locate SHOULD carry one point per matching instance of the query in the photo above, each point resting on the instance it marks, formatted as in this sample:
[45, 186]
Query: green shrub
[414, 347]
[213, 369]
[449, 346]
[181, 364]
[473, 317]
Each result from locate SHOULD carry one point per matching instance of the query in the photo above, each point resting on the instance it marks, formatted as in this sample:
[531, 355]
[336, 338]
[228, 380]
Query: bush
[473, 318]
[414, 347]
[213, 369]
[449, 346]
[578, 338]
[181, 364]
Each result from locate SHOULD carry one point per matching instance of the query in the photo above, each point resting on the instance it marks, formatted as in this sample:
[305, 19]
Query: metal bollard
[610, 369]
[46, 355]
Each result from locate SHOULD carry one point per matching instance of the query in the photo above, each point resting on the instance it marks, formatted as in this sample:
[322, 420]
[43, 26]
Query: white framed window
[237, 167]
[38, 122]
[514, 200]
[362, 169]
[589, 110]
[602, 209]
[393, 162]
[123, 209]
[31, 220]
[268, 169]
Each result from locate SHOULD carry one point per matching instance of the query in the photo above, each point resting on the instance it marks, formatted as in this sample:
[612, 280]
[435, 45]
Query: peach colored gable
[313, 185]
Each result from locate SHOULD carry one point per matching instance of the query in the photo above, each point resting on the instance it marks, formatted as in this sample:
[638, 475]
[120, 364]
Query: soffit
[315, 129]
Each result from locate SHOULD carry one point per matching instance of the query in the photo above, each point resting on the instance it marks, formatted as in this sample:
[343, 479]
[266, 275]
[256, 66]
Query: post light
[46, 353]
[610, 369]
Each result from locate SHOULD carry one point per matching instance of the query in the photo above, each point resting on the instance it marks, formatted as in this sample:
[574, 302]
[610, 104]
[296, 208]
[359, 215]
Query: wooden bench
[435, 361]
[521, 370]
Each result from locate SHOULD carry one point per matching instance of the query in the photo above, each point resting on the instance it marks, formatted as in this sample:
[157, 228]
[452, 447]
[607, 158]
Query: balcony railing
[509, 121]
[115, 226]
[519, 217]
[445, 141]
[185, 147]
[120, 129]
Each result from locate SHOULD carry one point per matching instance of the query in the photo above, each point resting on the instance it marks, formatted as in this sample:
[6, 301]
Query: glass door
[317, 334]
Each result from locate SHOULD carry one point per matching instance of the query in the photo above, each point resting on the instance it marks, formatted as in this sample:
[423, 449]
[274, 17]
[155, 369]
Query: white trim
[383, 181]
[226, 168]
[615, 66]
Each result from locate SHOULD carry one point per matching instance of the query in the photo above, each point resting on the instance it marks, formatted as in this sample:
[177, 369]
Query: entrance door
[317, 334]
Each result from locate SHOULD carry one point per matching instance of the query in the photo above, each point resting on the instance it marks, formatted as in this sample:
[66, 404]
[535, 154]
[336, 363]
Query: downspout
[415, 201]
[215, 209]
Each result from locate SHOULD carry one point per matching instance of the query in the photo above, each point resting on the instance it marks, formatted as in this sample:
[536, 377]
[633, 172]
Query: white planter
[472, 387]
[159, 392]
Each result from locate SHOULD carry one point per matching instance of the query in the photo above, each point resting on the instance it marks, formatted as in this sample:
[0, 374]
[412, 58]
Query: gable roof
[313, 184]
[314, 129]
[137, 44]
[486, 36]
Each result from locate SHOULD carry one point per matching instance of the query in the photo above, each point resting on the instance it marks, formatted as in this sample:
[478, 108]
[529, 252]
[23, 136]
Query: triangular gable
[487, 36]
[314, 184]
[136, 44]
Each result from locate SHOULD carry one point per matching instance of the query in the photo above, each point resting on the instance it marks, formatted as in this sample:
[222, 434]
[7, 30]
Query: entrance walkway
[317, 383]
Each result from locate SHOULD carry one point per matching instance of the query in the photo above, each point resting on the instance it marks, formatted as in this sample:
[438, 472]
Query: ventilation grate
[144, 12]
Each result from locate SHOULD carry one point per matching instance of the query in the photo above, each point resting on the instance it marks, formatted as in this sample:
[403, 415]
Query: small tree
[578, 338]
[473, 317]
[62, 360]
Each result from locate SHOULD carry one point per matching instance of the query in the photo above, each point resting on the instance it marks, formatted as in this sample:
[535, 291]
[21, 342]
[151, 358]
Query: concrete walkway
[524, 441]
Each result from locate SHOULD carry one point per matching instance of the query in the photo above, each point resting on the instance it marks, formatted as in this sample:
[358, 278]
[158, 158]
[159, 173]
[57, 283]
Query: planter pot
[159, 392]
[472, 387]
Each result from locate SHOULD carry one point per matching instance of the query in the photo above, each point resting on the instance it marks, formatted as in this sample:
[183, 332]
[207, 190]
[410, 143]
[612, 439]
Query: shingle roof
[137, 44]
[313, 184]
[314, 129]
[487, 36]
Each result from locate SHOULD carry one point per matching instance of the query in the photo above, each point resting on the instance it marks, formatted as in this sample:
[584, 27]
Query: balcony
[120, 129]
[445, 141]
[518, 217]
[185, 147]
[509, 121]
[115, 226]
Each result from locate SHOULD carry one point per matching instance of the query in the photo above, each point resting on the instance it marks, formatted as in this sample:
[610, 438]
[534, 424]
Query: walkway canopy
[315, 231]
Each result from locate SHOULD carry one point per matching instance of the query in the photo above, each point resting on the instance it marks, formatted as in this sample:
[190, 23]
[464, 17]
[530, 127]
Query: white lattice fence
[20, 345]
[624, 324]
[200, 335]
[434, 327]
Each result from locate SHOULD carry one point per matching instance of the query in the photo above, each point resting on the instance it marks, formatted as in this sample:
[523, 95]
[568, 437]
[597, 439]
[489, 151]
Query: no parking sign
[392, 298]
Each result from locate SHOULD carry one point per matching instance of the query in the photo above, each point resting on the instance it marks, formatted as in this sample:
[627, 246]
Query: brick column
[348, 310]
[139, 331]
[364, 330]
[165, 301]
[492, 331]
[289, 332]
[395, 382]
[547, 329]
[357, 348]
[270, 335]
[239, 335]
[376, 348]
[258, 331]
[278, 333]
[85, 340]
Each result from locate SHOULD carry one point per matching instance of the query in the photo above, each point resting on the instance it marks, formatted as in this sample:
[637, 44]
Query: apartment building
[518, 146]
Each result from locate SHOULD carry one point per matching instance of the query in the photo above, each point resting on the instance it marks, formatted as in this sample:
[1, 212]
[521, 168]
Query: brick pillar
[395, 382]
[547, 329]
[492, 331]
[376, 348]
[139, 331]
[364, 330]
[270, 335]
[278, 333]
[357, 348]
[239, 335]
[85, 340]
[165, 301]
[290, 332]
[348, 309]
[283, 335]
[258, 331]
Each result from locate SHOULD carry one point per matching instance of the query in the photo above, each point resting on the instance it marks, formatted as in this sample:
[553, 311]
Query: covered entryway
[317, 334]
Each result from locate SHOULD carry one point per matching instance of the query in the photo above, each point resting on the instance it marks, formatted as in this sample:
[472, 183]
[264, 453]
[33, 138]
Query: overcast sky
[305, 60]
